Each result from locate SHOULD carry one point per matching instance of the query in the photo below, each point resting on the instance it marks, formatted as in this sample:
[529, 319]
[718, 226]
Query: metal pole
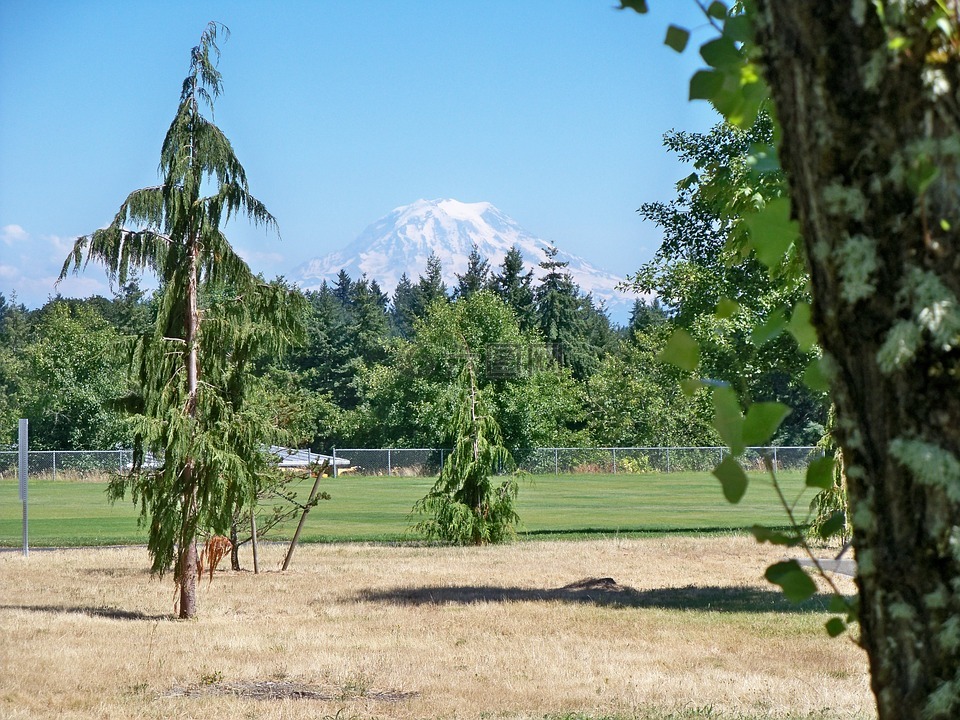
[54, 465]
[441, 459]
[668, 459]
[614, 461]
[389, 464]
[335, 462]
[23, 457]
[774, 457]
[556, 461]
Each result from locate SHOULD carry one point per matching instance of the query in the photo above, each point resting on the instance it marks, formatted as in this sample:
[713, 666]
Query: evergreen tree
[464, 507]
[430, 287]
[342, 286]
[560, 317]
[644, 315]
[403, 308]
[515, 288]
[477, 276]
[209, 442]
[367, 327]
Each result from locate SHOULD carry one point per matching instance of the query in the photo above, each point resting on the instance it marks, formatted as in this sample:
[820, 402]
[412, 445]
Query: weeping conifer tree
[464, 507]
[191, 373]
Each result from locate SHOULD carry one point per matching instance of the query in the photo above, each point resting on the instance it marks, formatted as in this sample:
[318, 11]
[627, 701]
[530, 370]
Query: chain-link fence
[66, 464]
[427, 462]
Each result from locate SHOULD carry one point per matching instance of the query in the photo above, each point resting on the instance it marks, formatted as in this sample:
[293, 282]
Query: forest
[372, 370]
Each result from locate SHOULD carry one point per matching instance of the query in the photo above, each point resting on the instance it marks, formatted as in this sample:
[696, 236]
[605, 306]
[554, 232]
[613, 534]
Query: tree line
[374, 370]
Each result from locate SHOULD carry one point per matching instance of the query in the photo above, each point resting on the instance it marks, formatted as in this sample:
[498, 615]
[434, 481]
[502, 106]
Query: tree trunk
[862, 124]
[188, 581]
[234, 548]
[188, 539]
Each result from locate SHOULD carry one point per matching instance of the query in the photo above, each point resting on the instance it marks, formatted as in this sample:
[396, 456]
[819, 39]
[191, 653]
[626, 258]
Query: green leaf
[774, 537]
[738, 28]
[838, 604]
[835, 626]
[677, 38]
[762, 422]
[921, 174]
[769, 328]
[815, 377]
[726, 308]
[820, 473]
[690, 386]
[727, 419]
[639, 6]
[834, 524]
[796, 584]
[717, 10]
[721, 53]
[705, 84]
[772, 231]
[732, 478]
[681, 350]
[801, 328]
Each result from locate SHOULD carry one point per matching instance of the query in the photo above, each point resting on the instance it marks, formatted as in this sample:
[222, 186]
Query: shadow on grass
[98, 612]
[607, 593]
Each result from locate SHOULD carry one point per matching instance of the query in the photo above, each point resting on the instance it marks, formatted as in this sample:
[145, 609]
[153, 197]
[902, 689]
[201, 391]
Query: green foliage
[731, 308]
[633, 400]
[796, 584]
[409, 398]
[732, 245]
[72, 364]
[464, 507]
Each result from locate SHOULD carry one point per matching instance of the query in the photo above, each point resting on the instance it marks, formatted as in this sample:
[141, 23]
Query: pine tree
[403, 307]
[430, 287]
[515, 288]
[476, 277]
[561, 319]
[208, 441]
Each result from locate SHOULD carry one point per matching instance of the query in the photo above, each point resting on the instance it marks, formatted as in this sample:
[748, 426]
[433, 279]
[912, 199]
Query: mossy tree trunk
[869, 109]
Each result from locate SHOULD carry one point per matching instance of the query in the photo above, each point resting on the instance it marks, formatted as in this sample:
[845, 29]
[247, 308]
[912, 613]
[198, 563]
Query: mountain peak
[403, 240]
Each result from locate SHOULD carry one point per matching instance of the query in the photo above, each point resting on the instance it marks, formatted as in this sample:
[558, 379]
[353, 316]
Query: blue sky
[340, 111]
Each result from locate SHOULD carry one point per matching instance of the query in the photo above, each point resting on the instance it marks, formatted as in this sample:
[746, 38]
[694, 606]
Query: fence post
[668, 459]
[389, 464]
[335, 462]
[774, 457]
[441, 459]
[614, 460]
[556, 461]
[23, 458]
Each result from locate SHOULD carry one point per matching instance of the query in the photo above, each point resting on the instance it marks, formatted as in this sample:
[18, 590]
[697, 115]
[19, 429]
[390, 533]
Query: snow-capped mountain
[401, 242]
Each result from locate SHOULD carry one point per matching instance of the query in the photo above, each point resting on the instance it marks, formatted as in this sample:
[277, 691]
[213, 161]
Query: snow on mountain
[401, 242]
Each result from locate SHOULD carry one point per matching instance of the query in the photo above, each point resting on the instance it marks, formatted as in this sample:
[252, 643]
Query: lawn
[685, 628]
[378, 508]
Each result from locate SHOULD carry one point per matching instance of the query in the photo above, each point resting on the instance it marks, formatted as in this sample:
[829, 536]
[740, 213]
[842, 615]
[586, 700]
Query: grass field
[378, 508]
[686, 629]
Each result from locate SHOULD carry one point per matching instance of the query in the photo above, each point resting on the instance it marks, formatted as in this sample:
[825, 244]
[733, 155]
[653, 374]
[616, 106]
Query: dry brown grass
[406, 632]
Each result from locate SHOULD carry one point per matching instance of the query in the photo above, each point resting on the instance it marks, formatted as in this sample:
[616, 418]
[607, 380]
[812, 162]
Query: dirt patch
[282, 690]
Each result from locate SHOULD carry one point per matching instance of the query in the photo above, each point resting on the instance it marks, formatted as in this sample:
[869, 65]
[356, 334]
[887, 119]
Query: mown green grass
[378, 508]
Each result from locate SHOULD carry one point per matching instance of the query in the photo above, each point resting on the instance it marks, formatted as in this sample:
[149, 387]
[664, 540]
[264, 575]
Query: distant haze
[403, 240]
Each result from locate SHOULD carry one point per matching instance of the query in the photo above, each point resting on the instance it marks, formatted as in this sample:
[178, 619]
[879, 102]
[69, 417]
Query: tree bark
[188, 539]
[861, 123]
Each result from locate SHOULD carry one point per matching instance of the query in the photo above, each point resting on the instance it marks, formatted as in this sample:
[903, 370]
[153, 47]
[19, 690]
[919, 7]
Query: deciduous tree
[866, 94]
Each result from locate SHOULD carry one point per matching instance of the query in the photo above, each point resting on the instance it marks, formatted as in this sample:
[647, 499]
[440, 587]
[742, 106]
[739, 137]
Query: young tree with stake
[191, 367]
